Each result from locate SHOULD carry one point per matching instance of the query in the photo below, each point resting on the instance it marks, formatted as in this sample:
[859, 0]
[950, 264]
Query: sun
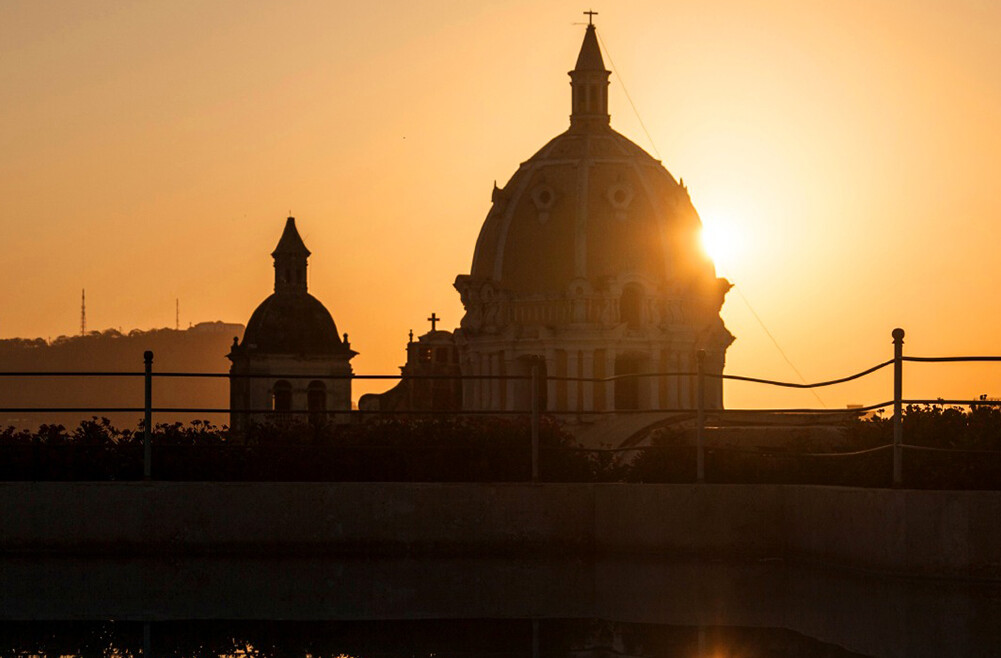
[723, 241]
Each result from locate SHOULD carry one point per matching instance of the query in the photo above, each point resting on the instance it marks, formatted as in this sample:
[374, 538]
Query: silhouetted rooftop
[292, 324]
[589, 58]
[290, 242]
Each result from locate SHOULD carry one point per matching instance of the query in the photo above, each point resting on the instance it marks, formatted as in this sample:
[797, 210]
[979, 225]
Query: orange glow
[726, 243]
[151, 151]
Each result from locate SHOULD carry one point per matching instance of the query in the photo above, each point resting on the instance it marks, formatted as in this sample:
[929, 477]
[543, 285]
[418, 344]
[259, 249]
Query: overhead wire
[629, 98]
[656, 151]
[776, 343]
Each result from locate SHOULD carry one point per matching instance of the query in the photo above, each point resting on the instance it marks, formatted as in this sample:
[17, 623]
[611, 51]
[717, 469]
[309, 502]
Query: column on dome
[298, 398]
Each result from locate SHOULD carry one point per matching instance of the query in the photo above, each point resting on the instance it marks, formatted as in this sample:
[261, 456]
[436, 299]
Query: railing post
[700, 401]
[535, 422]
[898, 416]
[148, 416]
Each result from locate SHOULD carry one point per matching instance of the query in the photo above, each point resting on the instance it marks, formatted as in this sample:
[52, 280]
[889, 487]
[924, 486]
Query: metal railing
[534, 413]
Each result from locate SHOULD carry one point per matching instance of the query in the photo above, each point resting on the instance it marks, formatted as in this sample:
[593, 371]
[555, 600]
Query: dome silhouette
[590, 204]
[292, 324]
[589, 267]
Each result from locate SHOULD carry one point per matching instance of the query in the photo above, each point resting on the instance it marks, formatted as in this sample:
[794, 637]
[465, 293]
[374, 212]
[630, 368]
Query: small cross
[590, 16]
[434, 320]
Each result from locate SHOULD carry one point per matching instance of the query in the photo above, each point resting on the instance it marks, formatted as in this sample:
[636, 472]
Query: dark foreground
[406, 639]
[315, 607]
[945, 448]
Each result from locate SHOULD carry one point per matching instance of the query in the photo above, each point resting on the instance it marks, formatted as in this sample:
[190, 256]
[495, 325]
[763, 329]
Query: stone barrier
[943, 533]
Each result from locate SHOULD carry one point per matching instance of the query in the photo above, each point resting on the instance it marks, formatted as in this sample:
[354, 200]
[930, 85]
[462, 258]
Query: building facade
[302, 366]
[589, 265]
[430, 380]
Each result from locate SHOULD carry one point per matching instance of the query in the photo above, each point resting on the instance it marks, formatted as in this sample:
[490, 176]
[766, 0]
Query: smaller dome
[292, 324]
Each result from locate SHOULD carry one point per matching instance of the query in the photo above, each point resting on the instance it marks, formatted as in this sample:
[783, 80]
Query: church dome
[596, 205]
[291, 321]
[589, 206]
[292, 324]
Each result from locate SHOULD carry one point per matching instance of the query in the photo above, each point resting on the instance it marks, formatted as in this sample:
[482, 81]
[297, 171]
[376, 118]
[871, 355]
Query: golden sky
[850, 152]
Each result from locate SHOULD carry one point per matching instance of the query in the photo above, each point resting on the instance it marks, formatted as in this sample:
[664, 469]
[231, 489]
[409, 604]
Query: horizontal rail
[612, 378]
[951, 359]
[966, 450]
[763, 452]
[940, 401]
[460, 377]
[390, 412]
[88, 410]
[830, 382]
[52, 373]
[249, 376]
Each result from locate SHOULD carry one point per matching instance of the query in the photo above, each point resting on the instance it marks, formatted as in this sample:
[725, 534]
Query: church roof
[292, 324]
[596, 205]
[291, 321]
[290, 242]
[589, 58]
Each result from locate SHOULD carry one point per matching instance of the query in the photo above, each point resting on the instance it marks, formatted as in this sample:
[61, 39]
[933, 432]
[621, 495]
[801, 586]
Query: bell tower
[290, 261]
[589, 82]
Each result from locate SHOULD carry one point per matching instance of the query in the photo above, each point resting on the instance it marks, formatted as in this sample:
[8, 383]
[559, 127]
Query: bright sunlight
[724, 242]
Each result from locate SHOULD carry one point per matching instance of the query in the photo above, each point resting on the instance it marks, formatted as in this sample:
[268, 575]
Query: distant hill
[201, 348]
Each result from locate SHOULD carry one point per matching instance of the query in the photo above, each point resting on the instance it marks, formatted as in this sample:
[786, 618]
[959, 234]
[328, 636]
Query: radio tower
[83, 312]
[177, 314]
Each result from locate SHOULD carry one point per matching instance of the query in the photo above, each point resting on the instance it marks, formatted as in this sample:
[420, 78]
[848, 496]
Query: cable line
[776, 343]
[656, 151]
[628, 97]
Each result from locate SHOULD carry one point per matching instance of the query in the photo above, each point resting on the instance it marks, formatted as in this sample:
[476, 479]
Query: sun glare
[723, 242]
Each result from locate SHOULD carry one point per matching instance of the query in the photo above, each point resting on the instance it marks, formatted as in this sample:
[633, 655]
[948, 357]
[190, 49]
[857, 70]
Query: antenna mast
[83, 312]
[177, 314]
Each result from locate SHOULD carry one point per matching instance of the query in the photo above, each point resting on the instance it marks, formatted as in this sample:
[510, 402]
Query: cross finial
[434, 320]
[590, 16]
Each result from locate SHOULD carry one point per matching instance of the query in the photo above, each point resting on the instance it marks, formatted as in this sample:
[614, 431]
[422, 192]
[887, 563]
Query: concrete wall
[929, 532]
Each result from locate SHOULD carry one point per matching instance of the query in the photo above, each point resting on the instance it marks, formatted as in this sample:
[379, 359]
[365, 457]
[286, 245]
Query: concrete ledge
[714, 520]
[942, 533]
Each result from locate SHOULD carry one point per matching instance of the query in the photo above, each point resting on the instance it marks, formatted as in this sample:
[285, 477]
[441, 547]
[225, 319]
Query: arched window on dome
[316, 401]
[631, 306]
[281, 397]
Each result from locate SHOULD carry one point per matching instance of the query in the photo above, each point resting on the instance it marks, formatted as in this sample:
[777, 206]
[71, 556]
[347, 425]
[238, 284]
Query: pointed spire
[290, 261]
[290, 242]
[589, 82]
[589, 58]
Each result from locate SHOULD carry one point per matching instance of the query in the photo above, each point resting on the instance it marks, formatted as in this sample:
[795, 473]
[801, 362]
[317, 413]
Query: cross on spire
[434, 320]
[590, 16]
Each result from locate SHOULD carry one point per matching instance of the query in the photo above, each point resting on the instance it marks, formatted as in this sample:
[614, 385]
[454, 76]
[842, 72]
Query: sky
[844, 158]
